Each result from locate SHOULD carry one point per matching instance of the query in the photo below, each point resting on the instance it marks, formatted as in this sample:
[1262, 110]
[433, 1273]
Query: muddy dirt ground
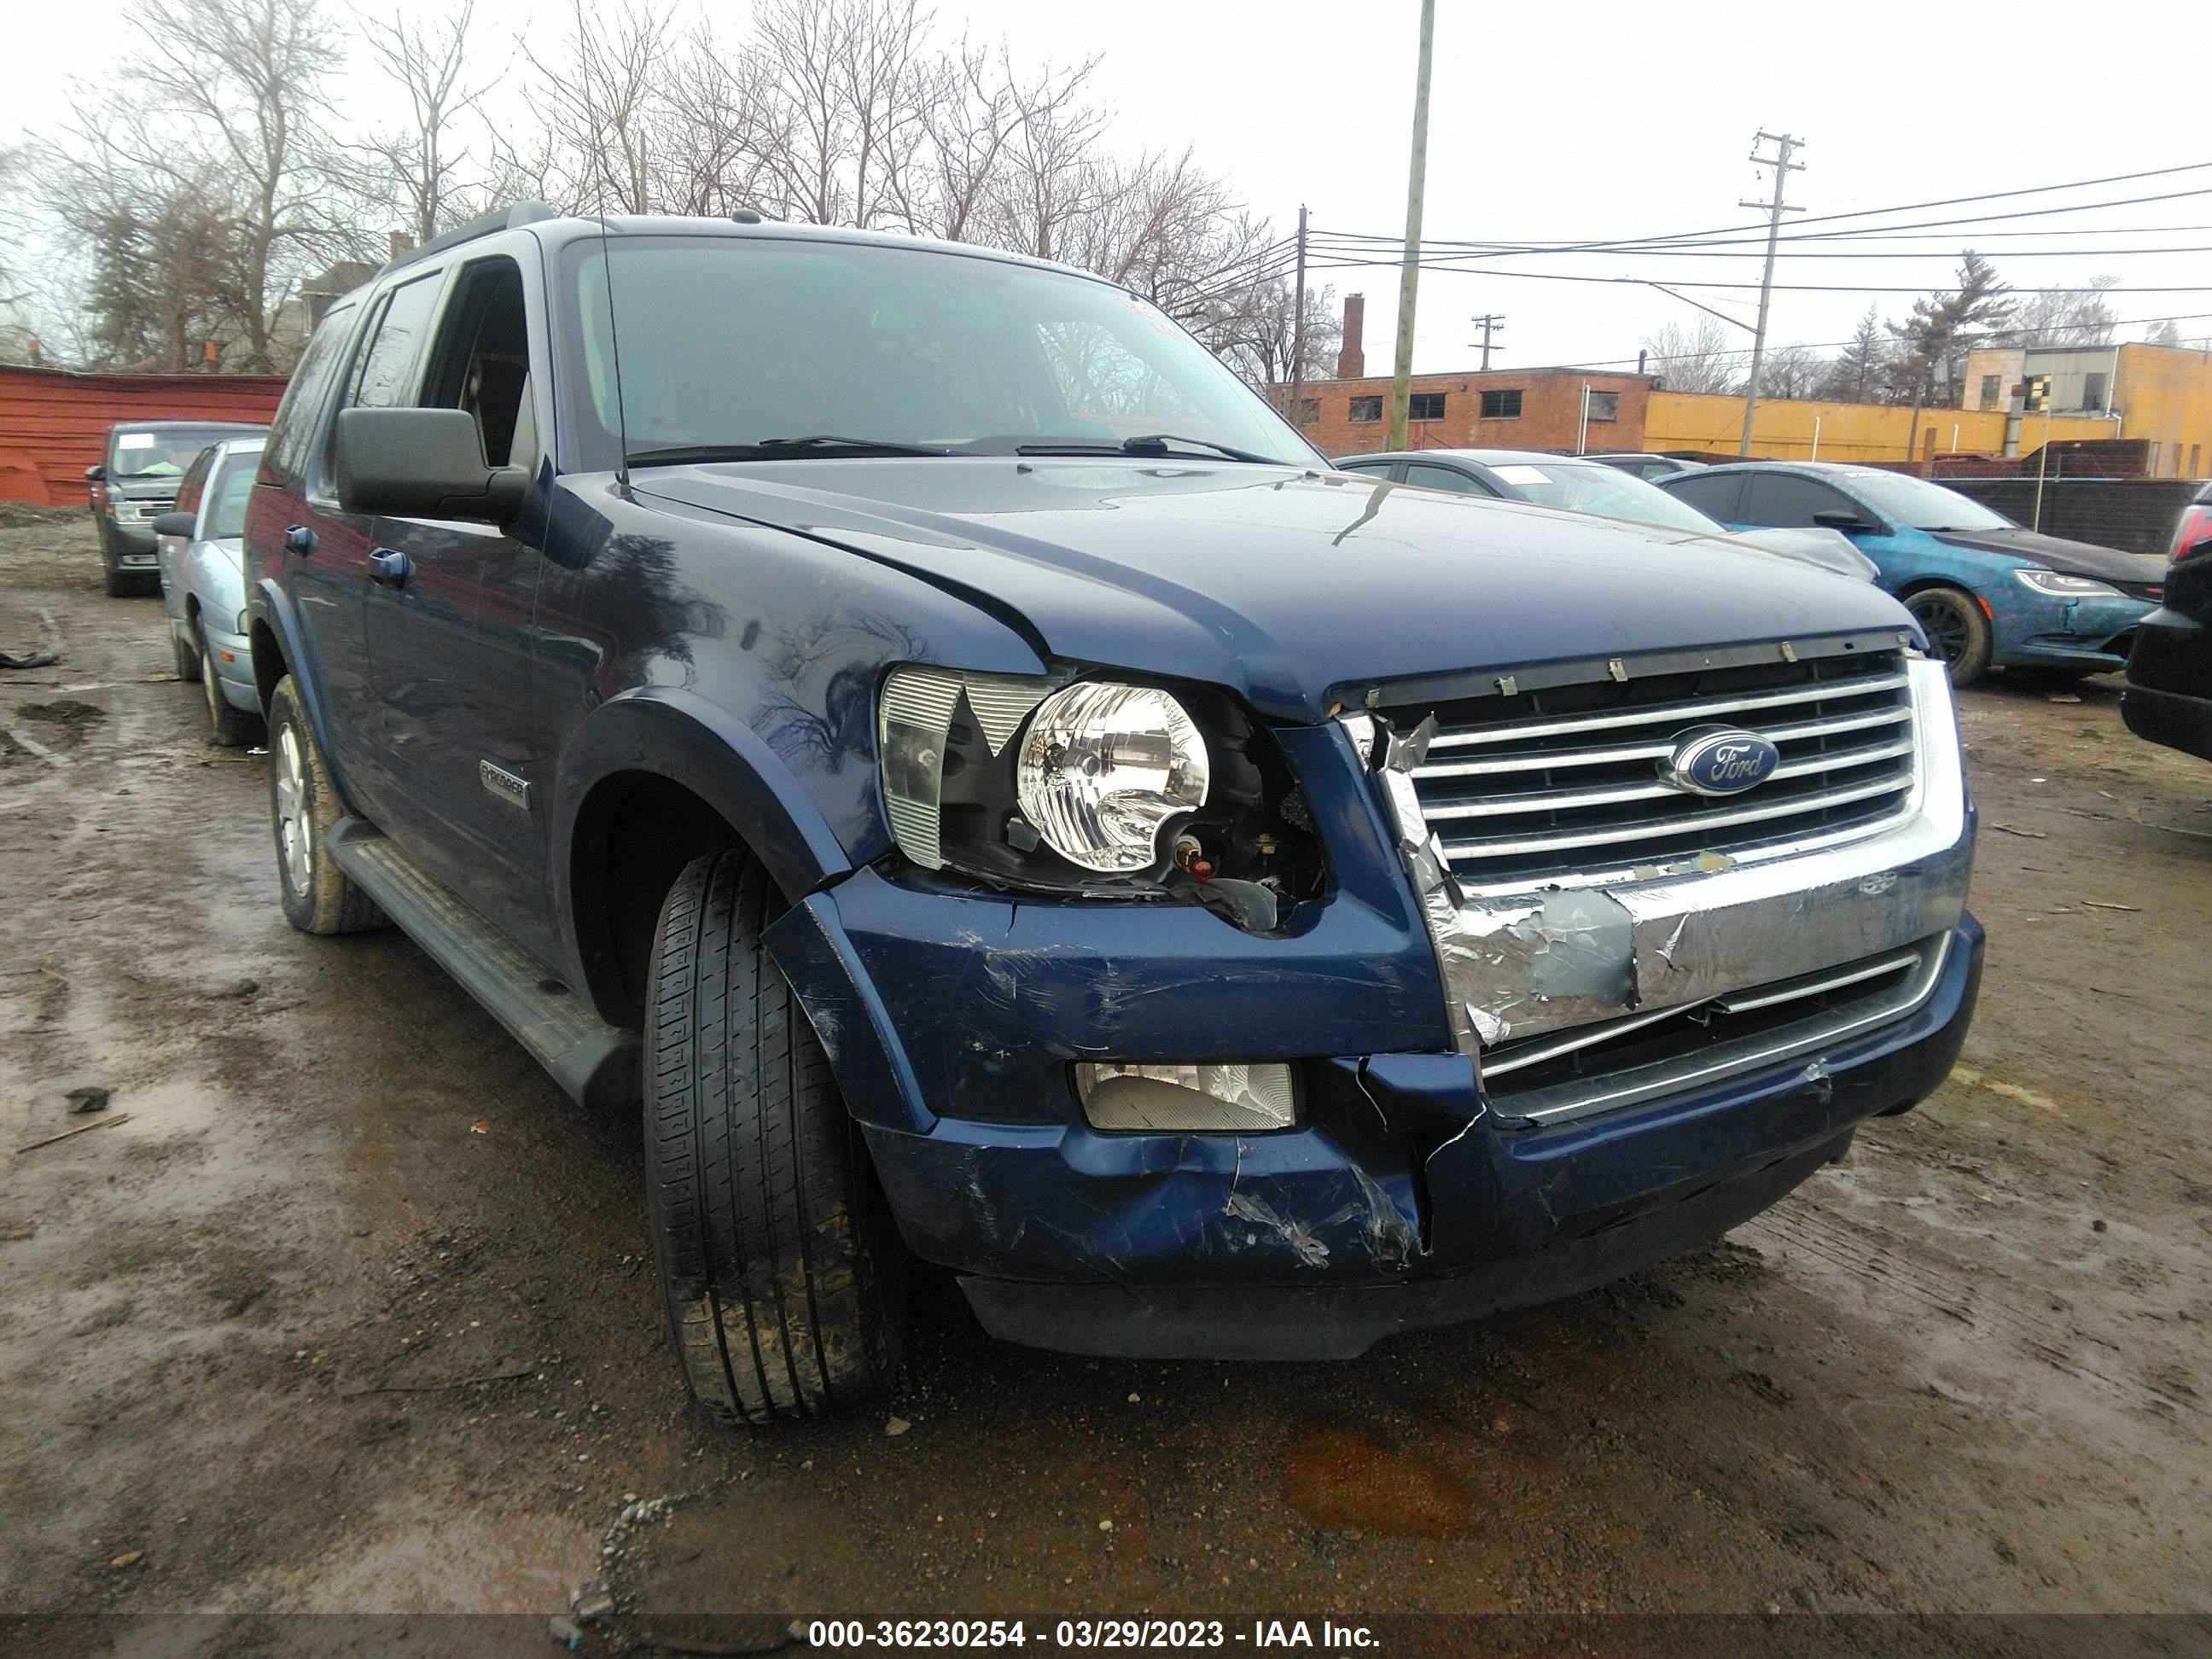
[353, 1313]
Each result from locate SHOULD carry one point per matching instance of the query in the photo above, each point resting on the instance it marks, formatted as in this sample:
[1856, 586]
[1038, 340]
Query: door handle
[389, 568]
[298, 538]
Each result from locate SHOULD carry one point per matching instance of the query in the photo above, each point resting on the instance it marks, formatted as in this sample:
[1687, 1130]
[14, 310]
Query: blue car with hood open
[910, 717]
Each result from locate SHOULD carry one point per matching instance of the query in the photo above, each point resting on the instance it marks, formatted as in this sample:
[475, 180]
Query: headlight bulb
[1103, 766]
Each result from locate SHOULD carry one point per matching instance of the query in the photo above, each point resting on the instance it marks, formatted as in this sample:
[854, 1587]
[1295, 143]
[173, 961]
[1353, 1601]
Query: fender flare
[268, 602]
[667, 732]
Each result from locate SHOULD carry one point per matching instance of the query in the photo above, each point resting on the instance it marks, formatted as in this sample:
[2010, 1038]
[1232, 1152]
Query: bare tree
[605, 110]
[424, 160]
[1794, 371]
[2064, 319]
[2167, 333]
[1694, 357]
[1253, 328]
[245, 79]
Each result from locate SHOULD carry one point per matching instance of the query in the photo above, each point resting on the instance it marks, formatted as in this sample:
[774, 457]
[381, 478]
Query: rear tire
[1958, 631]
[228, 726]
[304, 809]
[771, 1237]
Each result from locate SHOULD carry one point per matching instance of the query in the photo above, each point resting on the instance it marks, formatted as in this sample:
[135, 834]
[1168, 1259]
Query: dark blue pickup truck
[912, 716]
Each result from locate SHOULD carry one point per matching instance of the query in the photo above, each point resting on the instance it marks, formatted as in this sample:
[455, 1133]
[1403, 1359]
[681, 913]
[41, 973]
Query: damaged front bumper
[955, 1018]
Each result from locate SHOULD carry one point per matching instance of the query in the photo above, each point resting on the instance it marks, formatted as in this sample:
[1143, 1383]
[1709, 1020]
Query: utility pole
[1784, 147]
[1409, 273]
[1298, 322]
[1486, 323]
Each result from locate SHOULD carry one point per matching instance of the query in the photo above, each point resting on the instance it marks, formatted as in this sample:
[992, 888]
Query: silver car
[1580, 484]
[200, 550]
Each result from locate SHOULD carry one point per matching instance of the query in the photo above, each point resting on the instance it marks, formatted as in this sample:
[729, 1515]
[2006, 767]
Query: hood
[1831, 549]
[1287, 586]
[146, 489]
[2107, 564]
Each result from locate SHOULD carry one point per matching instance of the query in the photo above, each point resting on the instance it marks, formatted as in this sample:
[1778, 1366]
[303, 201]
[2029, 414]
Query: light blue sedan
[200, 550]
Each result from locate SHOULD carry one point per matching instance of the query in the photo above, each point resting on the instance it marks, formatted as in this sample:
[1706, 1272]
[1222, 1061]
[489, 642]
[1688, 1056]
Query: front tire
[1958, 631]
[770, 1234]
[188, 660]
[304, 809]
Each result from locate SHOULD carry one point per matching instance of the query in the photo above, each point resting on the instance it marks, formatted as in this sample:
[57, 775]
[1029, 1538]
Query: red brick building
[1502, 408]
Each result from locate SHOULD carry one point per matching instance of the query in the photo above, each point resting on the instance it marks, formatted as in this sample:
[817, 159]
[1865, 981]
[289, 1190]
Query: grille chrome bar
[1553, 759]
[1495, 805]
[1656, 713]
[1525, 798]
[1646, 829]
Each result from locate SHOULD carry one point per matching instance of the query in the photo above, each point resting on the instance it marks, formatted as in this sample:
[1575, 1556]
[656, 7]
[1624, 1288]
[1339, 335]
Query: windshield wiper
[769, 449]
[1151, 443]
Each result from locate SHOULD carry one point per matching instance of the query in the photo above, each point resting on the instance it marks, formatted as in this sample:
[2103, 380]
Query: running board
[597, 1063]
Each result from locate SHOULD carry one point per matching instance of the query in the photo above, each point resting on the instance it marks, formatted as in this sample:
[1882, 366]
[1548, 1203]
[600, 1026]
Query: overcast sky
[1584, 121]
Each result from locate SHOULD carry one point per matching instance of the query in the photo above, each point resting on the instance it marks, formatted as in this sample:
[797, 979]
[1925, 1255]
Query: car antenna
[614, 340]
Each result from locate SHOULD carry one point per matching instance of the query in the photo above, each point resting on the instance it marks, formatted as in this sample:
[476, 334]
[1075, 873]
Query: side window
[481, 362]
[386, 377]
[1441, 477]
[291, 434]
[384, 374]
[1787, 501]
[1715, 497]
[1380, 470]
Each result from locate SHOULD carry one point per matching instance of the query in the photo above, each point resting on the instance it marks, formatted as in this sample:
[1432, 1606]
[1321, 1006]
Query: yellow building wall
[1786, 430]
[2164, 394]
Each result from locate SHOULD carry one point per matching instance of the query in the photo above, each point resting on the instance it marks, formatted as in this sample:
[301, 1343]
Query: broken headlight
[1093, 785]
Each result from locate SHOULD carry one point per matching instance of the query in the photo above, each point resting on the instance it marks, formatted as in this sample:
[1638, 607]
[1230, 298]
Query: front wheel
[304, 808]
[188, 659]
[777, 1259]
[1957, 630]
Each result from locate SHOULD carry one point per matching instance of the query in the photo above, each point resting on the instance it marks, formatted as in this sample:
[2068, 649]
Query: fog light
[1216, 1098]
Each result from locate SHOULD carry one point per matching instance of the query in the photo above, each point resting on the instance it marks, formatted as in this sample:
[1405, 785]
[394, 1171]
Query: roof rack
[506, 218]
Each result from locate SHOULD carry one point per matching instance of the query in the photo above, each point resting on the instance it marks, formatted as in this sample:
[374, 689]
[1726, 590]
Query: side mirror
[175, 523]
[1838, 519]
[95, 474]
[421, 463]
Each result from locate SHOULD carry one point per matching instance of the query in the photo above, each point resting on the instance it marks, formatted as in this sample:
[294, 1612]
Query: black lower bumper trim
[2170, 717]
[1294, 1322]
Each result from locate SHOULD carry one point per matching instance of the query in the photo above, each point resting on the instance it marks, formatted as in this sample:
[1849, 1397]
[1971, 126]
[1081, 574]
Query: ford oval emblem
[1720, 760]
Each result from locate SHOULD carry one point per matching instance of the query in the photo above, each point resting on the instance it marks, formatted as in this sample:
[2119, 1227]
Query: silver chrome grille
[1561, 786]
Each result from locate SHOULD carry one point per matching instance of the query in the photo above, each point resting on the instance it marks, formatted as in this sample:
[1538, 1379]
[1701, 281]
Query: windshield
[1923, 505]
[1591, 487]
[162, 454]
[225, 515]
[725, 342]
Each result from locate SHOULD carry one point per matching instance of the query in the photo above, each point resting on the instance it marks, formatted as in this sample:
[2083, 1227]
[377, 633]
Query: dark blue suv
[1986, 591]
[912, 716]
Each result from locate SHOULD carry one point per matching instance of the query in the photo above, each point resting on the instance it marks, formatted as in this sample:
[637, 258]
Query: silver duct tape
[1518, 965]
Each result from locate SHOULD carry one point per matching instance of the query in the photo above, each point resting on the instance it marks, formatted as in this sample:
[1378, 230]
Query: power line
[1867, 213]
[1779, 287]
